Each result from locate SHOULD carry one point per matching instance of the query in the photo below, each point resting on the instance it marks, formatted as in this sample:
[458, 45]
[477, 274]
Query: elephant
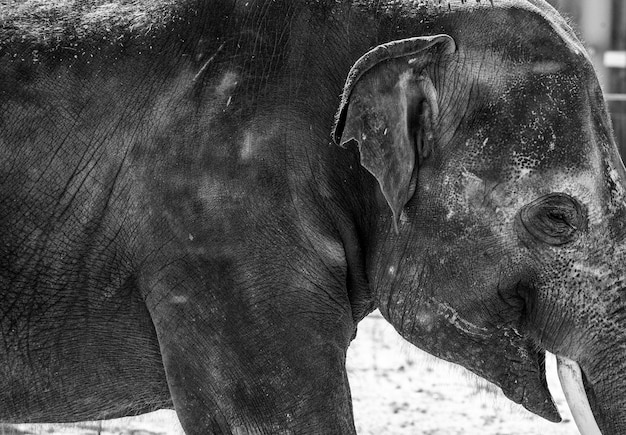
[200, 200]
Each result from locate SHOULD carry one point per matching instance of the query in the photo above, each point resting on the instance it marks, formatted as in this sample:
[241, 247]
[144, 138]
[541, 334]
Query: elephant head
[502, 223]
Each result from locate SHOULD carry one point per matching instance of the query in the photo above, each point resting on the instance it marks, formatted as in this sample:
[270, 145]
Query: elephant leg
[233, 366]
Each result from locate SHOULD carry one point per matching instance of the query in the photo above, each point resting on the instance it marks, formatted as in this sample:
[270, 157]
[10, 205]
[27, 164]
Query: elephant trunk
[594, 392]
[605, 390]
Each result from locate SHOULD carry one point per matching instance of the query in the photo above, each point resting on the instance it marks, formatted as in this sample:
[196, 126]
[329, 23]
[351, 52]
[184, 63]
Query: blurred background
[602, 26]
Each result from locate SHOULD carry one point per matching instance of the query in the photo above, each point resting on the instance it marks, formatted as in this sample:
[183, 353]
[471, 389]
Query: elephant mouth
[579, 394]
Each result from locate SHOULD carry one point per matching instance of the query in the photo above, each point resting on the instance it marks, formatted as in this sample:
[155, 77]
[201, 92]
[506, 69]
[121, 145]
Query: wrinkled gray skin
[178, 228]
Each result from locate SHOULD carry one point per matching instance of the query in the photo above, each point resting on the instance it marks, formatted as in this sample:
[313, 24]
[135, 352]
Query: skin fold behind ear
[380, 108]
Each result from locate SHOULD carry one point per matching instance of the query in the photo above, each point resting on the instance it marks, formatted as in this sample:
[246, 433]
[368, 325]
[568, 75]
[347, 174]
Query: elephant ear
[388, 108]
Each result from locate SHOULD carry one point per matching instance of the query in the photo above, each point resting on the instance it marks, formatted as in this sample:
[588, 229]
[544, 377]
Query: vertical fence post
[595, 25]
[617, 107]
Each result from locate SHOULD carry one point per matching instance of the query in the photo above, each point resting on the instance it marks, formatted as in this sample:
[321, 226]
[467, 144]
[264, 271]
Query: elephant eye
[555, 219]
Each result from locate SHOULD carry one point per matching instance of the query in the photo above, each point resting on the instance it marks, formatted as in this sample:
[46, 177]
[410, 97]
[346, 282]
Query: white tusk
[572, 383]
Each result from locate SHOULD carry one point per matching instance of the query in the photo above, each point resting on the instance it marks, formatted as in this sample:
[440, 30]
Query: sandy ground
[397, 390]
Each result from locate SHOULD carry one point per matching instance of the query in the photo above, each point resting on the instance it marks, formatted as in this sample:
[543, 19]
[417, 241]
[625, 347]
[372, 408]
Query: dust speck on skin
[246, 147]
[179, 299]
[331, 249]
[218, 195]
[472, 183]
[547, 67]
[462, 186]
[256, 138]
[464, 190]
[325, 188]
[227, 84]
[425, 320]
[209, 190]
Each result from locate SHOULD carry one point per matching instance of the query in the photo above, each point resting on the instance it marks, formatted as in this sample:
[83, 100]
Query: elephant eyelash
[560, 217]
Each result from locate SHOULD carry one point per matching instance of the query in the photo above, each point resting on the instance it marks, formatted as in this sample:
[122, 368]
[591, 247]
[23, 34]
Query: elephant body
[179, 229]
